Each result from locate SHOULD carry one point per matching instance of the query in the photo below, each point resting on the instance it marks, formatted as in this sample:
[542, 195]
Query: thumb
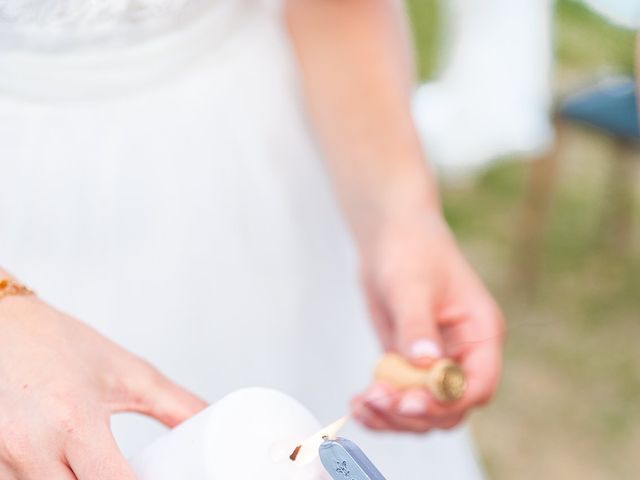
[417, 335]
[162, 399]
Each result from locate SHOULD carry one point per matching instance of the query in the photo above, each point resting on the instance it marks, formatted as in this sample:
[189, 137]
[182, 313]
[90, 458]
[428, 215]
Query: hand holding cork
[406, 397]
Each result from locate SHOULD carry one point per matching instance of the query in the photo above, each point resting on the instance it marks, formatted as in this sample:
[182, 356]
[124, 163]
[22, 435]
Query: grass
[568, 404]
[585, 41]
[425, 16]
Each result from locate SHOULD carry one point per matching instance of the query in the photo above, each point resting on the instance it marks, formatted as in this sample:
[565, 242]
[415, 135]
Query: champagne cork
[444, 379]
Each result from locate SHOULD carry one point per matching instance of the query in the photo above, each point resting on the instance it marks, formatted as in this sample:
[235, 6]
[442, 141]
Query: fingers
[54, 471]
[172, 404]
[151, 393]
[368, 416]
[416, 411]
[480, 337]
[409, 412]
[463, 321]
[406, 411]
[50, 471]
[482, 364]
[417, 335]
[93, 455]
[378, 397]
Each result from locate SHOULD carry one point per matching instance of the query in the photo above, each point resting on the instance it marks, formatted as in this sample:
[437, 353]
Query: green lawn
[568, 405]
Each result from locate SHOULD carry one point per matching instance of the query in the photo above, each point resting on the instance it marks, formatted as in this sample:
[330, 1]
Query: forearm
[357, 73]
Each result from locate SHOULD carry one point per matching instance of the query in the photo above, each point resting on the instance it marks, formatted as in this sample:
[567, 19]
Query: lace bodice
[50, 24]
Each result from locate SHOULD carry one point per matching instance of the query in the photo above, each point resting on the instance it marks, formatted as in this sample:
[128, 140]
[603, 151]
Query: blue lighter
[343, 459]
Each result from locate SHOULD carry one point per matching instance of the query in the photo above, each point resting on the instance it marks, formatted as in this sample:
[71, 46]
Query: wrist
[14, 296]
[402, 198]
[12, 288]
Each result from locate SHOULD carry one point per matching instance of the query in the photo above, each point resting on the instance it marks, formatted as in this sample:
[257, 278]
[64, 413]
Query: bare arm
[425, 300]
[358, 75]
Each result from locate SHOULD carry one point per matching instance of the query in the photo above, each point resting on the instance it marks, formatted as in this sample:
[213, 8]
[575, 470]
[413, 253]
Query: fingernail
[425, 348]
[379, 398]
[412, 405]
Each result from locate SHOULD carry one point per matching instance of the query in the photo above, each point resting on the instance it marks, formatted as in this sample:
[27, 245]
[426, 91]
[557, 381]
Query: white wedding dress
[158, 181]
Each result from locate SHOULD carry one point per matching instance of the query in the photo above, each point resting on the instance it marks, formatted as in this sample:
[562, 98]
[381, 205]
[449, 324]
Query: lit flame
[307, 451]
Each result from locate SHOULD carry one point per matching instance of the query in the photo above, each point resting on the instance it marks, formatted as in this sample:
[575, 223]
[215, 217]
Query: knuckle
[70, 416]
[138, 384]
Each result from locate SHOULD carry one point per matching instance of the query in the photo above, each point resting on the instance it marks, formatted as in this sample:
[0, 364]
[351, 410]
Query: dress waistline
[107, 71]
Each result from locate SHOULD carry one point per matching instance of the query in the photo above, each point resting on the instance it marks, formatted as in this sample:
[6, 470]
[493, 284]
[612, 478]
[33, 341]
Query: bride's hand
[60, 381]
[427, 303]
[424, 297]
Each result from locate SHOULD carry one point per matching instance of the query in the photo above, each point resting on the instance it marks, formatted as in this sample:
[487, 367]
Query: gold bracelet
[9, 288]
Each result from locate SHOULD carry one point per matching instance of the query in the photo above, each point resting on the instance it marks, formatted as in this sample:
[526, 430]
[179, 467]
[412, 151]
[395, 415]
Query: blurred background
[556, 236]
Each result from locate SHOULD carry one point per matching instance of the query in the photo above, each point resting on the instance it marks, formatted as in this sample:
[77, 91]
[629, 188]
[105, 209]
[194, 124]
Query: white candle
[247, 435]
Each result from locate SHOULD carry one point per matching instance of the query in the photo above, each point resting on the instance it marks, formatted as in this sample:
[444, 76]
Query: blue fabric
[611, 107]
